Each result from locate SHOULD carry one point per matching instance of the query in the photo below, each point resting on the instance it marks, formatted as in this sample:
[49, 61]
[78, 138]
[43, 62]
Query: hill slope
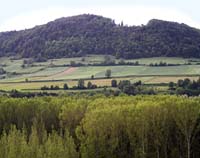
[91, 34]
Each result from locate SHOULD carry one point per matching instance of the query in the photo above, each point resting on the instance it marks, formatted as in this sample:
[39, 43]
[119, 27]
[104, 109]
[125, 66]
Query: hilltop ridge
[91, 34]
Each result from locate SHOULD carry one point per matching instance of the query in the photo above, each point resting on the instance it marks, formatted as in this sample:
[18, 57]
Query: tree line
[122, 86]
[186, 86]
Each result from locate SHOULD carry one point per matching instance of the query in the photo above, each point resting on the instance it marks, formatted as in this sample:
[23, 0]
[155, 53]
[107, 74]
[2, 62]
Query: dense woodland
[100, 127]
[91, 34]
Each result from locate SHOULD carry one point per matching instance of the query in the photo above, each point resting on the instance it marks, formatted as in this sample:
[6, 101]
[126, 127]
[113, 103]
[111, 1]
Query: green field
[99, 72]
[53, 72]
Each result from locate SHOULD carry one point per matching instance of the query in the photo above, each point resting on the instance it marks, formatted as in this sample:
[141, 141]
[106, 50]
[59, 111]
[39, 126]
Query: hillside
[90, 34]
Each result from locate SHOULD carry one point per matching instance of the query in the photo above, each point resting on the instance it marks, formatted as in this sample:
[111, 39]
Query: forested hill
[91, 34]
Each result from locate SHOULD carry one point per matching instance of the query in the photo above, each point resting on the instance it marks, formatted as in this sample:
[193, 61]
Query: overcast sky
[21, 14]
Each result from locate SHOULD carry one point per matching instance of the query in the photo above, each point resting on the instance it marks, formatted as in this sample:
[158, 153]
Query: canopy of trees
[100, 127]
[186, 86]
[91, 34]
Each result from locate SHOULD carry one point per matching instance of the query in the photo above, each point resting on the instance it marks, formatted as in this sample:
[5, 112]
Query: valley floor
[58, 72]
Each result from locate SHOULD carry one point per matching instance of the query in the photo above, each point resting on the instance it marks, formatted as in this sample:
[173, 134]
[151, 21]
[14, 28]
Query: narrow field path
[68, 71]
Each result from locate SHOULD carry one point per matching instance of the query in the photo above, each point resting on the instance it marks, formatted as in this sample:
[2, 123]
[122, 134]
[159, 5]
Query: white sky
[131, 13]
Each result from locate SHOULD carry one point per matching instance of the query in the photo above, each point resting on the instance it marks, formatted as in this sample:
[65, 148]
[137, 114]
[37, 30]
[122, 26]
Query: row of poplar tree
[100, 127]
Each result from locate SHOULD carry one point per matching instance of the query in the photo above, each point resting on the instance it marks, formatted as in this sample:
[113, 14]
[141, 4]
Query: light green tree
[186, 113]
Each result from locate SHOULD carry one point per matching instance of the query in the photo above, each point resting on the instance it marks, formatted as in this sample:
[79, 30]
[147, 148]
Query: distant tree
[193, 85]
[56, 87]
[162, 64]
[92, 77]
[23, 66]
[138, 83]
[52, 87]
[82, 59]
[72, 63]
[124, 83]
[114, 83]
[44, 88]
[151, 64]
[108, 60]
[94, 86]
[186, 82]
[180, 91]
[136, 63]
[126, 87]
[2, 71]
[171, 85]
[89, 85]
[129, 89]
[28, 61]
[65, 87]
[180, 83]
[198, 81]
[81, 84]
[108, 73]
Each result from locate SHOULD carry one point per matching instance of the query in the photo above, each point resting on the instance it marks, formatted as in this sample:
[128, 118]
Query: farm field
[62, 73]
[55, 72]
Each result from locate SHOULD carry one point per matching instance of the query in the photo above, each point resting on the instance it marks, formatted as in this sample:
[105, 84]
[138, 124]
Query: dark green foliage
[91, 34]
[91, 86]
[52, 87]
[171, 85]
[81, 84]
[124, 83]
[122, 62]
[164, 64]
[28, 62]
[186, 86]
[114, 83]
[159, 64]
[126, 87]
[75, 64]
[65, 87]
[45, 88]
[136, 88]
[138, 83]
[180, 83]
[18, 94]
[72, 63]
[2, 71]
[108, 60]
